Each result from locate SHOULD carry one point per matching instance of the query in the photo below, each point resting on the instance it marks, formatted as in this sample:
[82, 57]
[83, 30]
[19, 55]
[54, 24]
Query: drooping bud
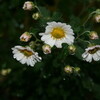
[46, 49]
[68, 69]
[97, 18]
[25, 37]
[4, 72]
[36, 16]
[71, 49]
[93, 35]
[28, 5]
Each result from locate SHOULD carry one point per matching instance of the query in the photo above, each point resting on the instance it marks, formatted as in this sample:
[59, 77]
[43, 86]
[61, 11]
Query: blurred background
[21, 82]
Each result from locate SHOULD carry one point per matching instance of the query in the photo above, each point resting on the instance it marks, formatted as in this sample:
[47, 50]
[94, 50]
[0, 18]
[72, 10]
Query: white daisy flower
[92, 53]
[25, 37]
[57, 33]
[28, 5]
[97, 18]
[25, 55]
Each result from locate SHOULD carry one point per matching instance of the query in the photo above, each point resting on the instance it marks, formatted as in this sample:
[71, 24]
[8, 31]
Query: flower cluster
[55, 34]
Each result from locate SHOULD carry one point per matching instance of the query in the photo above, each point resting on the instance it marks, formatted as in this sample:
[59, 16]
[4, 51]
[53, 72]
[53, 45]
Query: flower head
[4, 72]
[93, 35]
[92, 53]
[97, 18]
[46, 49]
[71, 49]
[57, 33]
[76, 69]
[25, 37]
[25, 55]
[28, 5]
[36, 16]
[68, 69]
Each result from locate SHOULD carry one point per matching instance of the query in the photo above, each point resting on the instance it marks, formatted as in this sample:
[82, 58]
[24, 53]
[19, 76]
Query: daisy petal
[25, 55]
[57, 33]
[89, 58]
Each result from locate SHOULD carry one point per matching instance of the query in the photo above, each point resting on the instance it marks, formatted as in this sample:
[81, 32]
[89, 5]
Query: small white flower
[57, 33]
[36, 16]
[97, 18]
[93, 35]
[28, 5]
[25, 55]
[92, 53]
[46, 49]
[72, 49]
[25, 37]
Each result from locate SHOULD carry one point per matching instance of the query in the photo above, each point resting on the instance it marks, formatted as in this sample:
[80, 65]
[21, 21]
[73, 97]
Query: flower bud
[36, 16]
[28, 5]
[76, 69]
[32, 44]
[71, 49]
[97, 11]
[93, 35]
[68, 69]
[97, 18]
[25, 37]
[46, 49]
[4, 72]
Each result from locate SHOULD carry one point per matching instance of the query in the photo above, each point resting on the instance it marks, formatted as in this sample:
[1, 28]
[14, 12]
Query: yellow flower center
[58, 33]
[23, 39]
[94, 50]
[26, 52]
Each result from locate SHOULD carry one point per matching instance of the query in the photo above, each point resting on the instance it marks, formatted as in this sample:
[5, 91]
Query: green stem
[82, 34]
[90, 15]
[38, 10]
[37, 40]
[86, 41]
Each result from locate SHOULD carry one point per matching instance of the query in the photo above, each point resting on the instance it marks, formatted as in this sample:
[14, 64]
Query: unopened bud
[25, 37]
[71, 49]
[46, 49]
[68, 69]
[76, 69]
[36, 16]
[97, 11]
[29, 5]
[4, 72]
[32, 44]
[97, 18]
[93, 35]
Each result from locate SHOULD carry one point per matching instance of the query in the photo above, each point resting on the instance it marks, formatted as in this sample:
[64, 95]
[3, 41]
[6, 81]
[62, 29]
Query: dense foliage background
[47, 80]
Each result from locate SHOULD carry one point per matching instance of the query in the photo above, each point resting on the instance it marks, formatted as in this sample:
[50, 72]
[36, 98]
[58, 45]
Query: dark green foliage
[47, 79]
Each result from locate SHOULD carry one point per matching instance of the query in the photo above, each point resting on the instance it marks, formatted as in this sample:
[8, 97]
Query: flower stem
[86, 41]
[37, 40]
[90, 15]
[82, 34]
[38, 10]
